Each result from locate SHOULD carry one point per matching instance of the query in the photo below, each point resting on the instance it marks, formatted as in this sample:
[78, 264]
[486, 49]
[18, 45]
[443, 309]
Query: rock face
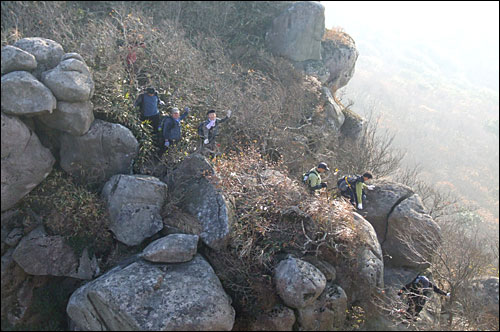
[364, 279]
[41, 254]
[280, 318]
[105, 150]
[15, 59]
[298, 283]
[23, 94]
[134, 203]
[407, 234]
[297, 32]
[25, 162]
[200, 198]
[153, 297]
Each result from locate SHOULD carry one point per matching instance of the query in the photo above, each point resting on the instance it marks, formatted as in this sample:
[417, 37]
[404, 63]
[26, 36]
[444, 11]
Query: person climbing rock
[148, 103]
[208, 131]
[171, 127]
[313, 178]
[353, 187]
[417, 292]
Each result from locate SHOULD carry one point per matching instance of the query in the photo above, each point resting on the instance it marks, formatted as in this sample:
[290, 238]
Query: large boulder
[339, 57]
[412, 235]
[144, 296]
[70, 81]
[47, 52]
[353, 126]
[298, 283]
[334, 116]
[105, 150]
[41, 254]
[72, 118]
[297, 32]
[134, 204]
[200, 198]
[25, 162]
[15, 59]
[23, 94]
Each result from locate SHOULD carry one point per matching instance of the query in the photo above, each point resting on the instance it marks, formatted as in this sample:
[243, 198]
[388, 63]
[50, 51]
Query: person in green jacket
[313, 177]
[352, 187]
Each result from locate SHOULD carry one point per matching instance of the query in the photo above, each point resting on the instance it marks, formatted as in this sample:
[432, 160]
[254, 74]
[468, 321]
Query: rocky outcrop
[200, 198]
[41, 254]
[483, 295]
[25, 162]
[297, 32]
[339, 58]
[173, 248]
[47, 52]
[153, 297]
[407, 234]
[134, 204]
[23, 94]
[105, 150]
[15, 59]
[298, 283]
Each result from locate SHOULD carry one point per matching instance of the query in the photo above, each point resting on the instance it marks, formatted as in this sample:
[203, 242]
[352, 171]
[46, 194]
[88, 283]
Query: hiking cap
[323, 165]
[150, 90]
[175, 110]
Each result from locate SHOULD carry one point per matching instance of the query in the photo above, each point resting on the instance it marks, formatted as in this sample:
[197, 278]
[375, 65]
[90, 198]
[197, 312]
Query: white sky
[465, 23]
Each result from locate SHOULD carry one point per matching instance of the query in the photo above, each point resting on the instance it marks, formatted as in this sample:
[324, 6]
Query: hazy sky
[472, 26]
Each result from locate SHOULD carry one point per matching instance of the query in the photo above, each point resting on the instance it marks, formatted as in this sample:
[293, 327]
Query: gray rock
[23, 94]
[297, 32]
[353, 125]
[15, 59]
[14, 237]
[327, 313]
[200, 198]
[105, 150]
[340, 60]
[134, 204]
[366, 277]
[41, 254]
[412, 235]
[173, 248]
[70, 81]
[25, 162]
[72, 56]
[153, 297]
[72, 118]
[484, 295]
[47, 52]
[333, 111]
[298, 283]
[326, 268]
[280, 318]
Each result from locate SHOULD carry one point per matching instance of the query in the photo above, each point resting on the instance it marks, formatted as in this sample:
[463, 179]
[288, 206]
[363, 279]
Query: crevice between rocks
[399, 201]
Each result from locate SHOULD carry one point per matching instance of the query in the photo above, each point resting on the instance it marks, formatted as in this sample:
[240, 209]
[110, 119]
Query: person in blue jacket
[171, 127]
[148, 103]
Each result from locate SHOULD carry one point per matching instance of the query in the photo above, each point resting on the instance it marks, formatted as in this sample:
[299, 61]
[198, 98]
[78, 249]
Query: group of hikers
[351, 187]
[169, 127]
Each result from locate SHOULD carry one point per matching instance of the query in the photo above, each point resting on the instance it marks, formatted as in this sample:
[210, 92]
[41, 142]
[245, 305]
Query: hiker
[171, 127]
[352, 187]
[209, 129]
[313, 177]
[148, 103]
[418, 291]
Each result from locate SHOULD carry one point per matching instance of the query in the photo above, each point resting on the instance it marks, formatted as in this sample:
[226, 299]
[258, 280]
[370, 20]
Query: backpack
[348, 181]
[305, 176]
